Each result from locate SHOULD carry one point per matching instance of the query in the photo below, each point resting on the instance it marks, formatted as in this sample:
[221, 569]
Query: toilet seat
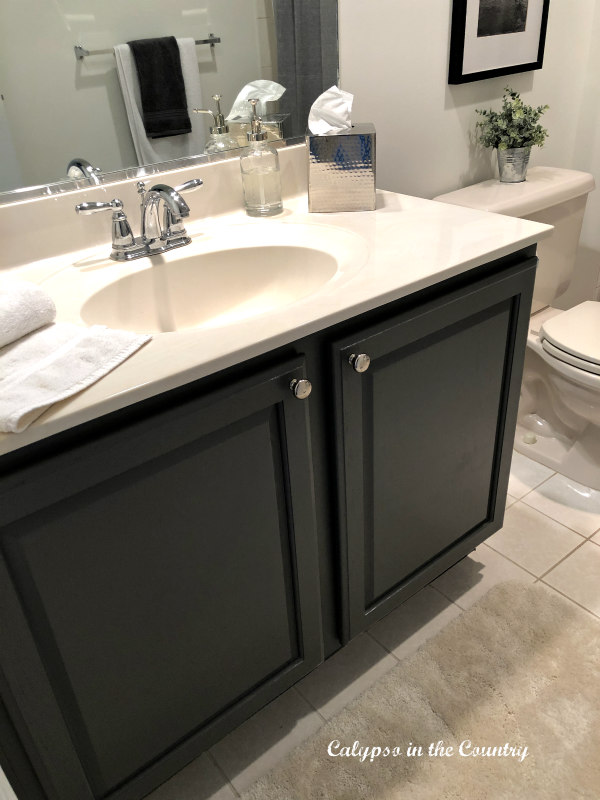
[574, 336]
[568, 358]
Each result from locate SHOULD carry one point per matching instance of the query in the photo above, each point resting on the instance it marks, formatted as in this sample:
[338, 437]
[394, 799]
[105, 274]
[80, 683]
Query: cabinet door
[162, 585]
[425, 438]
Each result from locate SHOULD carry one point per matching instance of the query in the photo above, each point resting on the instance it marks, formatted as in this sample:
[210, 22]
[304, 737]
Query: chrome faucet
[79, 168]
[155, 233]
[158, 234]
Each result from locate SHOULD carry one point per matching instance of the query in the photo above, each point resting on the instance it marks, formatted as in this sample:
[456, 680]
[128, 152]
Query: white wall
[6, 792]
[586, 152]
[396, 65]
[58, 108]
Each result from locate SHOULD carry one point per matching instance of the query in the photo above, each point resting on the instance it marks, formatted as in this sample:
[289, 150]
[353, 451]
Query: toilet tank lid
[544, 187]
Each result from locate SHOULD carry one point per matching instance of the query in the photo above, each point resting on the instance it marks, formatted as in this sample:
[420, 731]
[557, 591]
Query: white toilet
[559, 411]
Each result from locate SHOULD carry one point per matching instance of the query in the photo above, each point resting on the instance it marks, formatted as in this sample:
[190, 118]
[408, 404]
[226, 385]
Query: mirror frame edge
[59, 188]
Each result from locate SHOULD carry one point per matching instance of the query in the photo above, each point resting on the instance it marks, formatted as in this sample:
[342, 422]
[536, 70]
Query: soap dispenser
[260, 172]
[219, 139]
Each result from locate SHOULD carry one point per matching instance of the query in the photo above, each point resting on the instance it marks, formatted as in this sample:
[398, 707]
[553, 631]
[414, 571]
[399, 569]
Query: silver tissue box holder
[341, 170]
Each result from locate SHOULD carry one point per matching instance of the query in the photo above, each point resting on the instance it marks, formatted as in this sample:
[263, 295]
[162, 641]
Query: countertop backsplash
[48, 226]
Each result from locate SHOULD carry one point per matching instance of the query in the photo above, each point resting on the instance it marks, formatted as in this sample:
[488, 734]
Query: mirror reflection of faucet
[219, 139]
[79, 168]
[158, 234]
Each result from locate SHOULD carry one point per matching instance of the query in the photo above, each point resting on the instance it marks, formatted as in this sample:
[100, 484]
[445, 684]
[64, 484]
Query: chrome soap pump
[219, 139]
[261, 179]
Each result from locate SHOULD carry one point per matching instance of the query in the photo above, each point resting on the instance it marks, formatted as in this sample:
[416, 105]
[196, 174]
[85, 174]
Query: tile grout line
[445, 596]
[528, 571]
[531, 574]
[566, 596]
[298, 691]
[533, 488]
[543, 575]
[549, 516]
[222, 772]
[512, 561]
[439, 591]
[381, 644]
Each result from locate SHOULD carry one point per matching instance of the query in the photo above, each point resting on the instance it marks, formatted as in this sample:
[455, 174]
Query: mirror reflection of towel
[162, 89]
[151, 151]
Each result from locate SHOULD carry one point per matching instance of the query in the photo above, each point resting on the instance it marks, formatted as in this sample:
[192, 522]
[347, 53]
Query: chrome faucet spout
[174, 201]
[81, 168]
[157, 235]
[156, 231]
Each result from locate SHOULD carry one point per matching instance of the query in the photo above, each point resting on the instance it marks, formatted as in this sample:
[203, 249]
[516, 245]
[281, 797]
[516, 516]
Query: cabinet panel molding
[182, 562]
[177, 593]
[421, 439]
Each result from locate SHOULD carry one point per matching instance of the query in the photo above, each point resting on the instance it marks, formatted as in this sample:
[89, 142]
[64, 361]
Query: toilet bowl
[558, 421]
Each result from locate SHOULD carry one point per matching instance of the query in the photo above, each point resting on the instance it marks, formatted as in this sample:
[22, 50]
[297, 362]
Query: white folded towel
[23, 308]
[151, 151]
[55, 363]
[42, 363]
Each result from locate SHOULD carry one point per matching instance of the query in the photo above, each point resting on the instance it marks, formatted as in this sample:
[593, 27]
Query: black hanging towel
[164, 103]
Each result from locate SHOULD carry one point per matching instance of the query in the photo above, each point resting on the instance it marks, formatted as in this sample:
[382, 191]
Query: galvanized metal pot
[512, 164]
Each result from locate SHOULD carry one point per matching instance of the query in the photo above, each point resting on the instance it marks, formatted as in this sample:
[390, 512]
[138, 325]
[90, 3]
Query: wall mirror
[55, 106]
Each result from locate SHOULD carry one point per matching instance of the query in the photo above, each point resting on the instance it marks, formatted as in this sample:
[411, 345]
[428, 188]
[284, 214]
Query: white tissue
[330, 113]
[265, 91]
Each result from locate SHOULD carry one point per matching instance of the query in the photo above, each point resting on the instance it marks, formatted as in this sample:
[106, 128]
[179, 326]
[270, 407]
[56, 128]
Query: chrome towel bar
[81, 52]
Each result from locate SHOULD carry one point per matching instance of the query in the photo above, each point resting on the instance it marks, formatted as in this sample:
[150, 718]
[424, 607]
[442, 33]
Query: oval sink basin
[220, 280]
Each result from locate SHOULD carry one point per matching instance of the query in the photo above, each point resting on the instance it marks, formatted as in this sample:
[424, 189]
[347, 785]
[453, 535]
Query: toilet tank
[551, 195]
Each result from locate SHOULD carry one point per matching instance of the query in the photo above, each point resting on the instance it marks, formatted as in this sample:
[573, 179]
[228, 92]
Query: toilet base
[577, 460]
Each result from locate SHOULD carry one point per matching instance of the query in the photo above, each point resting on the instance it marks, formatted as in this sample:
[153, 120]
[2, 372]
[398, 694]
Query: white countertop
[405, 245]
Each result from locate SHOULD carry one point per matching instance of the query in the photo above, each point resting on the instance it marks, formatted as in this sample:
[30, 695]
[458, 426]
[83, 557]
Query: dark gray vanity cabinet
[424, 440]
[162, 585]
[168, 569]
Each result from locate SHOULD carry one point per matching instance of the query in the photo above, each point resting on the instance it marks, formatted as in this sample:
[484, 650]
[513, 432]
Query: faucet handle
[123, 240]
[91, 208]
[189, 186]
[173, 228]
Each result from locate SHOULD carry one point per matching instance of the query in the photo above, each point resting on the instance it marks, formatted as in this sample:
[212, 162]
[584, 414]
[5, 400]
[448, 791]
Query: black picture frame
[459, 41]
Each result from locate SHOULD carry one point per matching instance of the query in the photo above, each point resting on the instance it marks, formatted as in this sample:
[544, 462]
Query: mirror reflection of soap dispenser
[261, 178]
[219, 139]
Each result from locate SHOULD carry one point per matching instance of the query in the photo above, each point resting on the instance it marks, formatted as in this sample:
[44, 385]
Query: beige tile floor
[551, 534]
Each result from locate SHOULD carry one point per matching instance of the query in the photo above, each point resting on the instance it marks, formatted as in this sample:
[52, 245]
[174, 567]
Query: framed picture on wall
[496, 37]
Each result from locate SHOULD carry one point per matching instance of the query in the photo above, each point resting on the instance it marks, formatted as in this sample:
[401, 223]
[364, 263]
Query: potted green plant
[512, 131]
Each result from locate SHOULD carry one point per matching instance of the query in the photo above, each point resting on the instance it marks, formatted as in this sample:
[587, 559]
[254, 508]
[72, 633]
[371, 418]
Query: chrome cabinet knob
[360, 362]
[301, 388]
